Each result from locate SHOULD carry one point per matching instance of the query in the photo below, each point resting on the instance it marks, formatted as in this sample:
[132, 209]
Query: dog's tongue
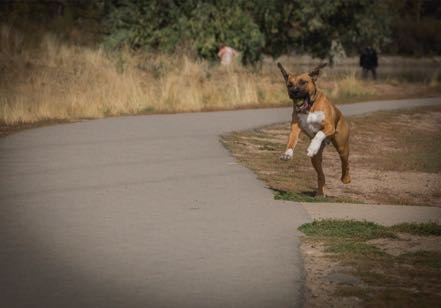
[303, 106]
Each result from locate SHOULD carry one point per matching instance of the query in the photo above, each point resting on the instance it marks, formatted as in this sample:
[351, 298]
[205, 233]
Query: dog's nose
[294, 90]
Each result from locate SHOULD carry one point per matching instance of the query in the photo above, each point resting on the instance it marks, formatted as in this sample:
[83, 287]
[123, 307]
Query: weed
[355, 248]
[308, 197]
[430, 228]
[346, 229]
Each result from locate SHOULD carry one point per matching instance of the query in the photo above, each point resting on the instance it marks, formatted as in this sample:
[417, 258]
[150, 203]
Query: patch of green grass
[299, 197]
[308, 197]
[430, 228]
[357, 248]
[366, 230]
[346, 229]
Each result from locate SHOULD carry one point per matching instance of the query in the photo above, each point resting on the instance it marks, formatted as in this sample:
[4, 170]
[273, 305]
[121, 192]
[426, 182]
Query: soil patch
[407, 243]
[362, 264]
[394, 159]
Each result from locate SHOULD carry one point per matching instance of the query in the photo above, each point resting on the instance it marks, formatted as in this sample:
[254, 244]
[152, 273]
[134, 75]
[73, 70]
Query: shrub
[199, 26]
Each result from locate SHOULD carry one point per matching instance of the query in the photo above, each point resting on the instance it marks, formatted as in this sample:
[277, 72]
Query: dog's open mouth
[302, 107]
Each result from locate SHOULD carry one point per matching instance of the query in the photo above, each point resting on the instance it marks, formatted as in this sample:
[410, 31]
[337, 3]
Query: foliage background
[409, 27]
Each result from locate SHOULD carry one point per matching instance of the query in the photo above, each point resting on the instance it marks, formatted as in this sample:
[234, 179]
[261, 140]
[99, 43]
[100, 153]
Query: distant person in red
[226, 54]
[369, 62]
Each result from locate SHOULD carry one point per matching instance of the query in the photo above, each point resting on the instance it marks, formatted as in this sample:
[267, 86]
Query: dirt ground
[327, 276]
[395, 159]
[319, 289]
[406, 243]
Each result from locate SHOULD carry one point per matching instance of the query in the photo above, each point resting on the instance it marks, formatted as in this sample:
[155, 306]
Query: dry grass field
[46, 79]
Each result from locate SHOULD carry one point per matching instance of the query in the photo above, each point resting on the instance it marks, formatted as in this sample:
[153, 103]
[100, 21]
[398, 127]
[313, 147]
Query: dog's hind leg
[341, 144]
[316, 161]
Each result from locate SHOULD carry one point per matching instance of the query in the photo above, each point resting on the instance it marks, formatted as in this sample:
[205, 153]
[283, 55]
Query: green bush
[167, 26]
[418, 37]
[252, 27]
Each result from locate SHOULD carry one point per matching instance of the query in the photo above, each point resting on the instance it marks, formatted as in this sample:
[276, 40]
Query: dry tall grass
[58, 81]
[349, 86]
[61, 81]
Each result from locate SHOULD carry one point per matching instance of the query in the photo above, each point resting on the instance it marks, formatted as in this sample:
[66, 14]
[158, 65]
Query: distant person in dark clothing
[369, 62]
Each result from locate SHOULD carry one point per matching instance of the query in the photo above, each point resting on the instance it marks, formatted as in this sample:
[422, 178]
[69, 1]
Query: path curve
[147, 211]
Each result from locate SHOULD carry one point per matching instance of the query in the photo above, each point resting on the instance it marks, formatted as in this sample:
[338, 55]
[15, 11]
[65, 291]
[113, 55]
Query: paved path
[147, 211]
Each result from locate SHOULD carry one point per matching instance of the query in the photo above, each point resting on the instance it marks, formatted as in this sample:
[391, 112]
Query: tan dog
[318, 118]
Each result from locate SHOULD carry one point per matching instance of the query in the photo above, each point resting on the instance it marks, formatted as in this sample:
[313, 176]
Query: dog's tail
[284, 73]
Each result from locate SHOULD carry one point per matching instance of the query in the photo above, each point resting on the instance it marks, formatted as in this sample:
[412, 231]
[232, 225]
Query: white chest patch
[311, 122]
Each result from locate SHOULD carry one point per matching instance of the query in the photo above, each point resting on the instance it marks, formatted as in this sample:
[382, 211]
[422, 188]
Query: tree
[277, 23]
[274, 27]
[311, 26]
[353, 23]
[167, 25]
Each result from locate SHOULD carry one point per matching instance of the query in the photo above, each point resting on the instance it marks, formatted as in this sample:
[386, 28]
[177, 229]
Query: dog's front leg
[321, 135]
[292, 141]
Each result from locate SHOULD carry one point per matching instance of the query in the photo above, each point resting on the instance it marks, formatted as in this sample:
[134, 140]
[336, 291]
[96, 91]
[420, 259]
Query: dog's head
[301, 87]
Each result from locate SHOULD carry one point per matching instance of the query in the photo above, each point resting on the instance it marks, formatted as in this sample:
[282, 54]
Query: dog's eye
[303, 82]
[289, 84]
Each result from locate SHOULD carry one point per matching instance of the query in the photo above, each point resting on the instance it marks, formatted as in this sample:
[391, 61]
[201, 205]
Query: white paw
[315, 144]
[287, 155]
[312, 149]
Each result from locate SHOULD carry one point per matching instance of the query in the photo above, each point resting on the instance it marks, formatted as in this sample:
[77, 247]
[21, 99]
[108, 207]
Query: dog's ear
[316, 71]
[284, 73]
